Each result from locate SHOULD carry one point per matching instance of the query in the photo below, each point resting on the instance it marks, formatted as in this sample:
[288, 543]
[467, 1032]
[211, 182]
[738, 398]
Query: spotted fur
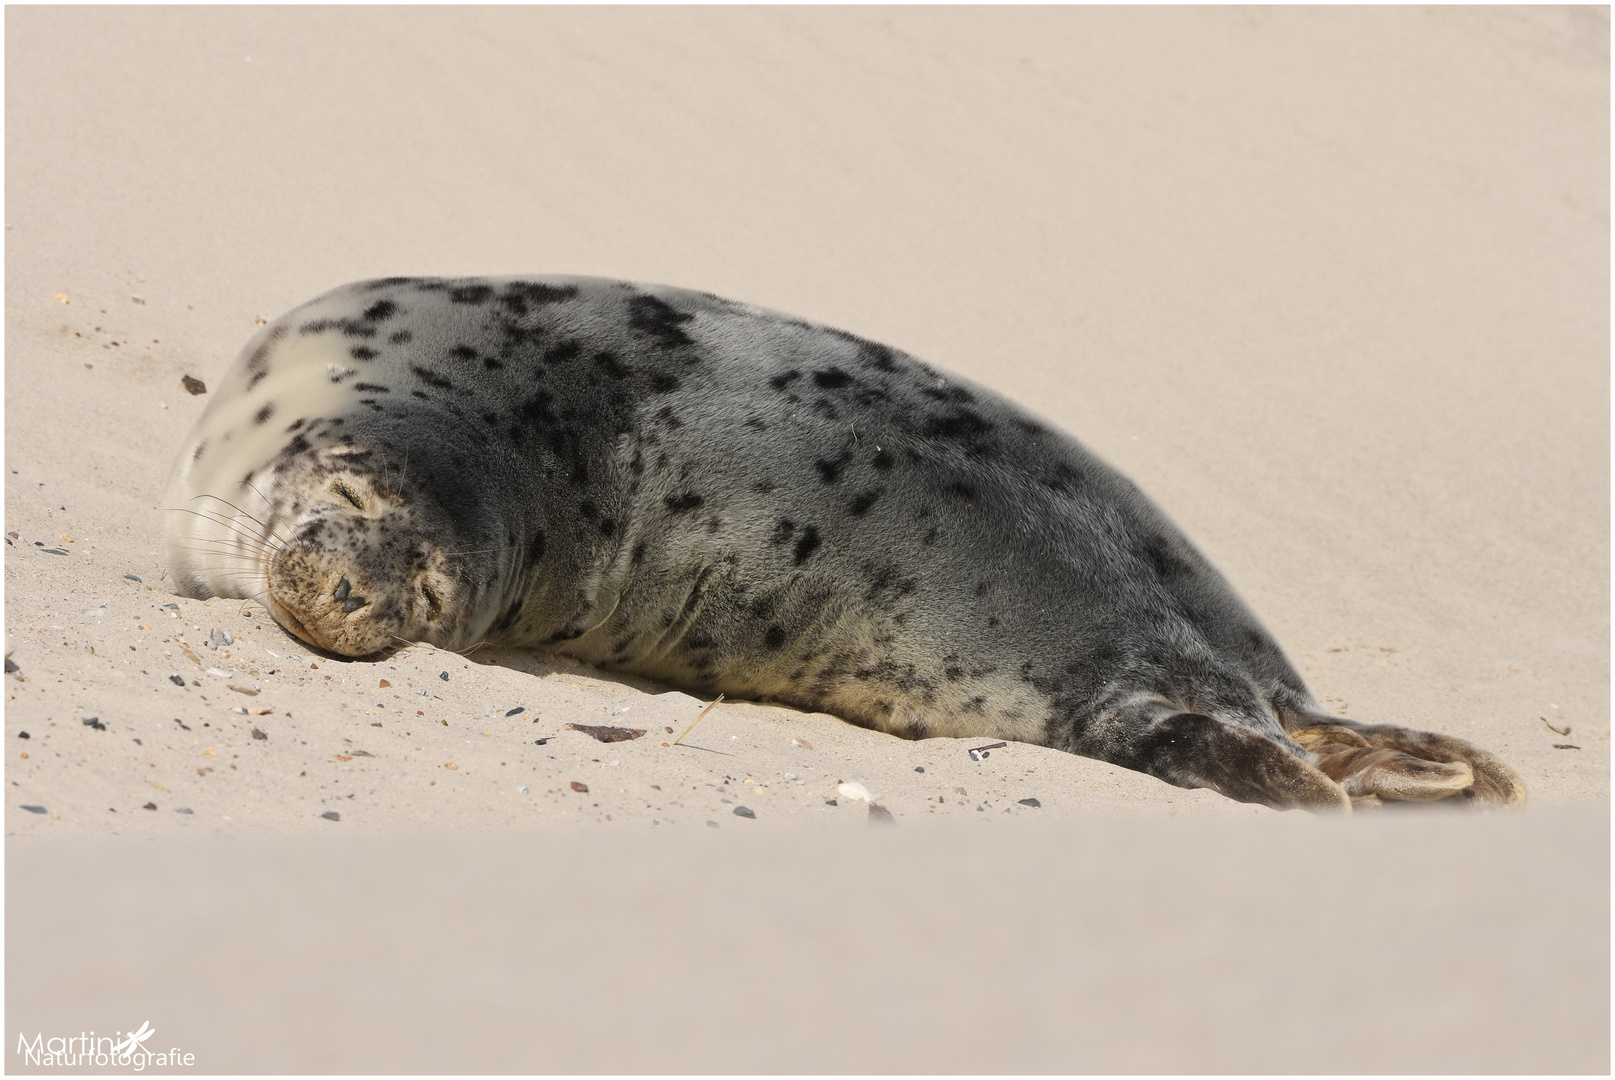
[728, 499]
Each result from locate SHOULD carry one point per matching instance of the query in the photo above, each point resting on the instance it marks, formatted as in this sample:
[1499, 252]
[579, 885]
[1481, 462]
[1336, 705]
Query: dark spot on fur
[682, 504]
[929, 538]
[992, 621]
[535, 546]
[966, 425]
[610, 365]
[470, 294]
[563, 351]
[608, 527]
[1163, 560]
[638, 555]
[780, 382]
[262, 415]
[806, 546]
[667, 417]
[431, 378]
[765, 487]
[371, 388]
[882, 461]
[860, 506]
[830, 471]
[380, 310]
[662, 383]
[295, 424]
[400, 337]
[782, 531]
[491, 364]
[831, 378]
[363, 352]
[962, 489]
[519, 296]
[654, 317]
[463, 352]
[774, 638]
[756, 425]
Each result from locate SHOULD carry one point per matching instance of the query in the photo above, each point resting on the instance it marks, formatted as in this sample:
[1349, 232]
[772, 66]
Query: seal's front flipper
[1397, 763]
[1194, 750]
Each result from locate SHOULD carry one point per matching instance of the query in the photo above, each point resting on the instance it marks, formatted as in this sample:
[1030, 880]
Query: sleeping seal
[724, 498]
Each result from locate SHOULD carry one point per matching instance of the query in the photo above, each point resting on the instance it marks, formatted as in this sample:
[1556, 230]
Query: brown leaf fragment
[194, 386]
[608, 734]
[580, 787]
[385, 684]
[1565, 746]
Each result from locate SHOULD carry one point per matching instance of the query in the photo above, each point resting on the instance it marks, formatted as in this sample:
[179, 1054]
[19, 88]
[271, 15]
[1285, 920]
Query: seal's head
[362, 566]
[352, 545]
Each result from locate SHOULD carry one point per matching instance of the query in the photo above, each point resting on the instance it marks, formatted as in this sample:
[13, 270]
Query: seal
[727, 499]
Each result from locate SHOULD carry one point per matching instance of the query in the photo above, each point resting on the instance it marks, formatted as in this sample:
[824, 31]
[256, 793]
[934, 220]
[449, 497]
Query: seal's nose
[343, 593]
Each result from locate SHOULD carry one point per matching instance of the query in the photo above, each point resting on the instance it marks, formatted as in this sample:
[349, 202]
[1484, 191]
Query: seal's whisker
[234, 507]
[215, 518]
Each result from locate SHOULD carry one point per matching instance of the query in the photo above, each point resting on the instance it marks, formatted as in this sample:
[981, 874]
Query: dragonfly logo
[127, 1049]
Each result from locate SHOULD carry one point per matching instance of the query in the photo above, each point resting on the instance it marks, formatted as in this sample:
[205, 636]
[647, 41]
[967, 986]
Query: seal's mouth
[290, 622]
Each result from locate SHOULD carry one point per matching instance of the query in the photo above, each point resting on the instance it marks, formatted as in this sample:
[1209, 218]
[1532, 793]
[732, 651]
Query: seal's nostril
[342, 588]
[353, 603]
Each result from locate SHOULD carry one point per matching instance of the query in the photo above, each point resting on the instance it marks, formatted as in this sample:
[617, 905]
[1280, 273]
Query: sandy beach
[1332, 285]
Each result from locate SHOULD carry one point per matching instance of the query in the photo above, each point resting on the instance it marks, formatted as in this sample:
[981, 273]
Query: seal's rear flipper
[1397, 763]
[1194, 750]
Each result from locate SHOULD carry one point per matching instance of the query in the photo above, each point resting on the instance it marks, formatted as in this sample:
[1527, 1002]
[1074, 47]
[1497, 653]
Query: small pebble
[11, 666]
[183, 810]
[23, 735]
[94, 722]
[259, 735]
[712, 824]
[384, 684]
[516, 711]
[34, 809]
[331, 815]
[149, 806]
[1031, 802]
[579, 787]
[523, 790]
[193, 386]
[744, 811]
[130, 577]
[919, 768]
[443, 675]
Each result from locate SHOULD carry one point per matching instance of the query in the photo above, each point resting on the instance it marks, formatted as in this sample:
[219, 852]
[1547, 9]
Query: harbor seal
[727, 499]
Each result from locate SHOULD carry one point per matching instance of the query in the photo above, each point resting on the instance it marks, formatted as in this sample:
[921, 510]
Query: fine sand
[1331, 284]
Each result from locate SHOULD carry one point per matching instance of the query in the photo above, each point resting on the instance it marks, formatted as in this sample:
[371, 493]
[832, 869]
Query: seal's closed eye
[339, 488]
